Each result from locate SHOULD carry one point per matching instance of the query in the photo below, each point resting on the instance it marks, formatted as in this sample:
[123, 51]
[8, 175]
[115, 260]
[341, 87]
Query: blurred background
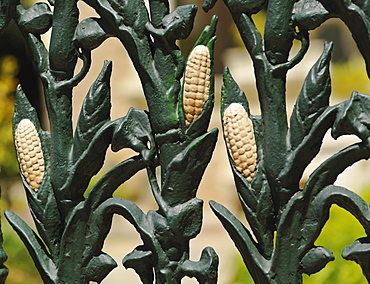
[348, 74]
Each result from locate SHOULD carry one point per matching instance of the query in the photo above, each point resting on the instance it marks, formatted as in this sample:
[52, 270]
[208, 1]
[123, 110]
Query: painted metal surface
[267, 157]
[286, 219]
[57, 166]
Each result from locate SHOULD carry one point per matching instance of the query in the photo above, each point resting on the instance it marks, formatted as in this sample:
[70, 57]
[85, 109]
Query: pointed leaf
[90, 33]
[95, 111]
[35, 246]
[261, 218]
[327, 173]
[204, 270]
[40, 54]
[308, 148]
[310, 13]
[175, 25]
[99, 267]
[46, 215]
[313, 98]
[244, 242]
[359, 252]
[37, 19]
[353, 117]
[185, 219]
[105, 186]
[134, 131]
[315, 260]
[231, 93]
[42, 203]
[191, 162]
[208, 33]
[140, 260]
[127, 209]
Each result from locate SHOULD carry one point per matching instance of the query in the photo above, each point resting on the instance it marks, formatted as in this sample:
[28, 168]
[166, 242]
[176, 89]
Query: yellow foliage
[9, 68]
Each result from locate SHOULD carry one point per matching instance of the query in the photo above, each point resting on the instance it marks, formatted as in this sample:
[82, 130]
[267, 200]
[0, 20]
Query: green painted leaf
[310, 14]
[36, 248]
[140, 259]
[134, 131]
[42, 203]
[175, 25]
[315, 260]
[105, 186]
[91, 33]
[99, 267]
[185, 219]
[95, 111]
[261, 218]
[40, 54]
[93, 134]
[299, 159]
[208, 34]
[231, 93]
[36, 20]
[313, 98]
[130, 211]
[244, 242]
[191, 162]
[359, 252]
[204, 270]
[327, 173]
[353, 117]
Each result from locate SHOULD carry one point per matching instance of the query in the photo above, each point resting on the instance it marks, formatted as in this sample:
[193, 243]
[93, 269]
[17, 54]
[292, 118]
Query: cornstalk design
[57, 166]
[269, 190]
[267, 157]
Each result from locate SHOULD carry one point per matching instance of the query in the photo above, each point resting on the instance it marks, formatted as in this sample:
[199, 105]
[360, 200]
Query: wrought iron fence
[267, 154]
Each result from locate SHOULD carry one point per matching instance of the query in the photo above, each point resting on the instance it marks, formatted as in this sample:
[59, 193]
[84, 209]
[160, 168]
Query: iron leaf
[313, 98]
[35, 246]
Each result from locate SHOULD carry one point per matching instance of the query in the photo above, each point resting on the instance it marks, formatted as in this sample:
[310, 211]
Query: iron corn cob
[197, 82]
[240, 141]
[29, 153]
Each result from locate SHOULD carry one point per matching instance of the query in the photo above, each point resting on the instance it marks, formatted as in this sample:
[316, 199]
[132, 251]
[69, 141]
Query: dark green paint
[285, 219]
[71, 224]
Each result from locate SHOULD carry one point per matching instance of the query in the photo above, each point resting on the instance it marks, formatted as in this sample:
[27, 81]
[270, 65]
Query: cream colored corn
[239, 135]
[197, 82]
[29, 152]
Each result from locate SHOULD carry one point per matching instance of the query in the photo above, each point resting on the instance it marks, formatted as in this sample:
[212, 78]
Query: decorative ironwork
[267, 157]
[57, 166]
[272, 200]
